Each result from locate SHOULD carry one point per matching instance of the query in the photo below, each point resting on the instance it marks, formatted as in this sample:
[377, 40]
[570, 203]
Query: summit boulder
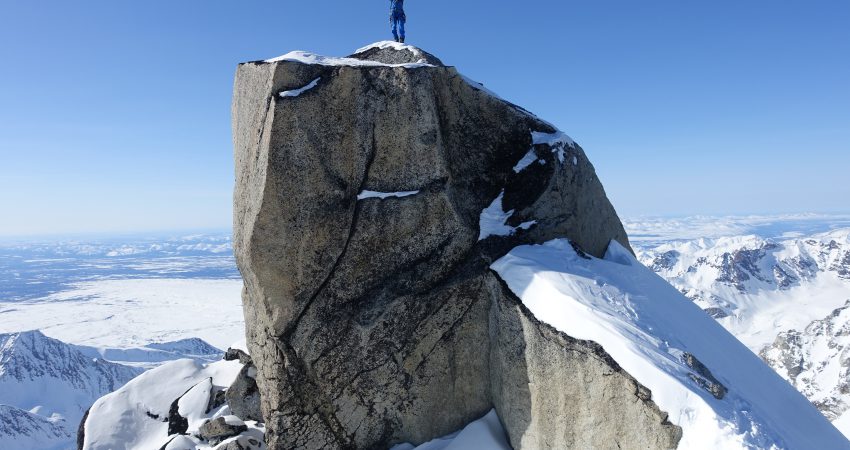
[372, 194]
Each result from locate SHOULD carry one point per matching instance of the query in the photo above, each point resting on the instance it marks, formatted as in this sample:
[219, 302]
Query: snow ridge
[312, 58]
[650, 329]
[785, 298]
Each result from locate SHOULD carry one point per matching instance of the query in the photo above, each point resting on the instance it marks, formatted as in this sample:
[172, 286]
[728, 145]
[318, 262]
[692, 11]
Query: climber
[397, 19]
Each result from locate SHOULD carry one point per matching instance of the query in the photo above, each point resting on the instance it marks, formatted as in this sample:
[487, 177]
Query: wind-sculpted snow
[652, 331]
[137, 415]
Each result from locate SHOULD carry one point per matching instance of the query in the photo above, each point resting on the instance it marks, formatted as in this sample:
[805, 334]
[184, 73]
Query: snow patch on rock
[312, 58]
[397, 46]
[301, 90]
[557, 141]
[384, 195]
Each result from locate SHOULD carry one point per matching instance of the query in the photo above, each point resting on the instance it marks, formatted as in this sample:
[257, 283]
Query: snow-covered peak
[727, 275]
[20, 429]
[31, 355]
[783, 297]
[188, 347]
[392, 45]
[314, 59]
[379, 54]
[50, 384]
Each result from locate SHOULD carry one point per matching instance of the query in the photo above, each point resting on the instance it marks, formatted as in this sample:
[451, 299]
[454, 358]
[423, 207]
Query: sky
[115, 115]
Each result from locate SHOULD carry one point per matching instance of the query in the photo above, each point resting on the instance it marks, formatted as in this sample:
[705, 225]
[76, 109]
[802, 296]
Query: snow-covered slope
[785, 298]
[52, 381]
[52, 378]
[485, 433]
[719, 392]
[47, 385]
[137, 415]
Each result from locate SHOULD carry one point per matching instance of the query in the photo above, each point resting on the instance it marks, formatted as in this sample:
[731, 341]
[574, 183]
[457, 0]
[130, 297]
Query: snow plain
[134, 313]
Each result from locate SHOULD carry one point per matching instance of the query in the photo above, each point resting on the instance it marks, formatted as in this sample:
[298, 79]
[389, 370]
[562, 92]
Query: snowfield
[650, 329]
[134, 313]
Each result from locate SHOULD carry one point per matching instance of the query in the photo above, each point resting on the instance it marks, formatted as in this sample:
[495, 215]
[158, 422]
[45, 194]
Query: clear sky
[115, 115]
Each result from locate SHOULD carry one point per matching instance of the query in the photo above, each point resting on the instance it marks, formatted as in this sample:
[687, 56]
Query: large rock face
[374, 318]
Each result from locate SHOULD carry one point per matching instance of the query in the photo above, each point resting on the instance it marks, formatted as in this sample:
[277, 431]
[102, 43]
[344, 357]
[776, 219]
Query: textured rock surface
[218, 429]
[378, 321]
[243, 396]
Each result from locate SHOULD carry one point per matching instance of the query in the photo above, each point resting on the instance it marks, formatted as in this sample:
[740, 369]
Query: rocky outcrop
[372, 193]
[221, 428]
[243, 396]
[816, 360]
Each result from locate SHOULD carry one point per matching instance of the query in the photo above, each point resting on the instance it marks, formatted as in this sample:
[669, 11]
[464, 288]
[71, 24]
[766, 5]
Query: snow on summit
[711, 385]
[312, 58]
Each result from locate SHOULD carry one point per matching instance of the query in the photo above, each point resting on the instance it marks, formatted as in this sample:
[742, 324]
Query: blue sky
[115, 115]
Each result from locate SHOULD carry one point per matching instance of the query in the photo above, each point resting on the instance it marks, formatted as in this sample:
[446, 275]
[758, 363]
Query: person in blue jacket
[397, 19]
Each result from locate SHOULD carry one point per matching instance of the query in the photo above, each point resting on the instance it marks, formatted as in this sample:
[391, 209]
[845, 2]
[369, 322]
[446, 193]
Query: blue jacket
[397, 5]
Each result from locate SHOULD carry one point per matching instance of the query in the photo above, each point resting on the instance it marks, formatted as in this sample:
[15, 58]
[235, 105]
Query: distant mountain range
[785, 297]
[47, 385]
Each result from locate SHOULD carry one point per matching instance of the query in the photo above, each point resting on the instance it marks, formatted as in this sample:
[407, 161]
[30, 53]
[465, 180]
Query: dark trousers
[397, 20]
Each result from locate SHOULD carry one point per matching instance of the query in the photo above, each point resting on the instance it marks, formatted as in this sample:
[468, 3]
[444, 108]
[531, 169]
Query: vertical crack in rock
[294, 324]
[310, 396]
